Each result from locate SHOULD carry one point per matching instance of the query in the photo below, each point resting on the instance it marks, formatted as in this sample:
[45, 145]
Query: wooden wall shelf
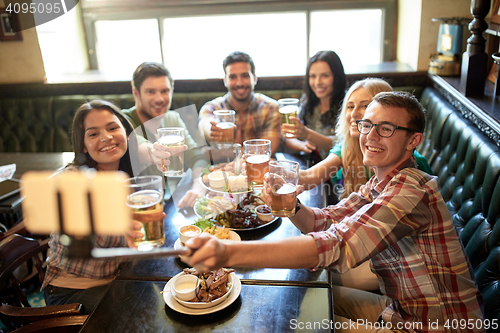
[483, 111]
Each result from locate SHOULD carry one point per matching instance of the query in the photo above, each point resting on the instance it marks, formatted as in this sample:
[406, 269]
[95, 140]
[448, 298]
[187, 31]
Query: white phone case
[108, 194]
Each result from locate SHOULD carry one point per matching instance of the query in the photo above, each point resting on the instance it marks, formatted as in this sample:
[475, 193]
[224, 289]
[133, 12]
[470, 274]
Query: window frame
[95, 10]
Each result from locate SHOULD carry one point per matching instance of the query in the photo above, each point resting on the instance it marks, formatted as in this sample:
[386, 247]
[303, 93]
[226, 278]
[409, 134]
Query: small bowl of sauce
[264, 213]
[187, 232]
[185, 287]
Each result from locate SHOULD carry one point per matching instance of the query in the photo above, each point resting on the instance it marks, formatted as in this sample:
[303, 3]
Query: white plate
[174, 305]
[234, 237]
[204, 305]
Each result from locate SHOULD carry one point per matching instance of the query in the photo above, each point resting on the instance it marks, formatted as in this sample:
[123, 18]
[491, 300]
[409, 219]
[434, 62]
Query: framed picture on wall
[495, 13]
[9, 26]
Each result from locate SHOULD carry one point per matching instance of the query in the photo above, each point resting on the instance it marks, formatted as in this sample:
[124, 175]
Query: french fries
[221, 233]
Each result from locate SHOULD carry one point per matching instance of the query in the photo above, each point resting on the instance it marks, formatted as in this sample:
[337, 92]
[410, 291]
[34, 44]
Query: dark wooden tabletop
[138, 306]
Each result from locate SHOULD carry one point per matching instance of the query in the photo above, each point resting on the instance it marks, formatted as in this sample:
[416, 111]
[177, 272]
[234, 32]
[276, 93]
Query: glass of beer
[257, 155]
[225, 121]
[288, 107]
[146, 201]
[284, 179]
[172, 137]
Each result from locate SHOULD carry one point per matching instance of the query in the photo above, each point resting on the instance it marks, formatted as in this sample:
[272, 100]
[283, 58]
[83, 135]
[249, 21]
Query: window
[63, 46]
[356, 45]
[192, 37]
[116, 55]
[194, 47]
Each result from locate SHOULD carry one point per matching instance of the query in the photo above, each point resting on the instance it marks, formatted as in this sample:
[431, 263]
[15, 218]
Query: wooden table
[161, 269]
[138, 306]
[271, 300]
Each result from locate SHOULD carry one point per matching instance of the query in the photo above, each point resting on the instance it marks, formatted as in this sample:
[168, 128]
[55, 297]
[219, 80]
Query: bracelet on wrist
[298, 206]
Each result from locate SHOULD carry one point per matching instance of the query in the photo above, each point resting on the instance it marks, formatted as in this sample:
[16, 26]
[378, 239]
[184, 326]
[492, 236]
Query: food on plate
[209, 207]
[204, 223]
[242, 216]
[213, 284]
[213, 177]
[221, 233]
[251, 201]
[264, 210]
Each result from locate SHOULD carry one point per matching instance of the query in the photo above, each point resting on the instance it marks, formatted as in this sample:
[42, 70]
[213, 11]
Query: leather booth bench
[467, 164]
[43, 124]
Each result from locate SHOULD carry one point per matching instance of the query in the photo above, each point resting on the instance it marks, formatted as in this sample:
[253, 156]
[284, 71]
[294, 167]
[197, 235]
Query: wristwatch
[298, 206]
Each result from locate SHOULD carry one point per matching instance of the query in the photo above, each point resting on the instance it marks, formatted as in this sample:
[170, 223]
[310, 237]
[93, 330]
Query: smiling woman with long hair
[90, 158]
[344, 164]
[100, 134]
[324, 89]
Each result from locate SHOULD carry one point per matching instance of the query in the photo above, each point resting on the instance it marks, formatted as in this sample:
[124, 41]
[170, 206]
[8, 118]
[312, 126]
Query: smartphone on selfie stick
[79, 205]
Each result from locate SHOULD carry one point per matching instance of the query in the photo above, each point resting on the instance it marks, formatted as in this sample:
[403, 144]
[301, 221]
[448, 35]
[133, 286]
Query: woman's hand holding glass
[135, 233]
[295, 130]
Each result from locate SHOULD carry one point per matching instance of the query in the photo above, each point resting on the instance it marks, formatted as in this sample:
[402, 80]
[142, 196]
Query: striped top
[402, 223]
[59, 264]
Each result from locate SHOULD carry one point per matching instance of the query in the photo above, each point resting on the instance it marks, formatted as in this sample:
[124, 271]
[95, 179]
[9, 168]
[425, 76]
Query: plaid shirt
[88, 268]
[261, 120]
[402, 223]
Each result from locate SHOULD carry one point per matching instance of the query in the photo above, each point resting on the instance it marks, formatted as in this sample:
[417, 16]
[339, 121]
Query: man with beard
[153, 87]
[257, 115]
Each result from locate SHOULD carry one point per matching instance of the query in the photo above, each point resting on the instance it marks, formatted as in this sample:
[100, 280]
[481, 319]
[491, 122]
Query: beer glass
[225, 121]
[284, 179]
[288, 107]
[146, 201]
[257, 155]
[172, 137]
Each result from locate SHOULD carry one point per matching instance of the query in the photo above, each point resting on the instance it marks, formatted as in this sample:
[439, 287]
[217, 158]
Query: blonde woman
[344, 164]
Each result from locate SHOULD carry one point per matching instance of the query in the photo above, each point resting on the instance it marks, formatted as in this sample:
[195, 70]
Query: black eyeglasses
[384, 130]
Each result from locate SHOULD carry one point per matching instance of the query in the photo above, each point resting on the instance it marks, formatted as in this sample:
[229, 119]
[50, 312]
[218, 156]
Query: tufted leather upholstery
[468, 166]
[42, 124]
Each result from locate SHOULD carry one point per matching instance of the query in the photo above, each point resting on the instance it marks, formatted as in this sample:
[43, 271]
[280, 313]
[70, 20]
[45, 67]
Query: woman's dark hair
[309, 99]
[78, 134]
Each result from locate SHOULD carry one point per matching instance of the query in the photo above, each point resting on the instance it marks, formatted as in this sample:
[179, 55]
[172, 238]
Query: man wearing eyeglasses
[398, 220]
